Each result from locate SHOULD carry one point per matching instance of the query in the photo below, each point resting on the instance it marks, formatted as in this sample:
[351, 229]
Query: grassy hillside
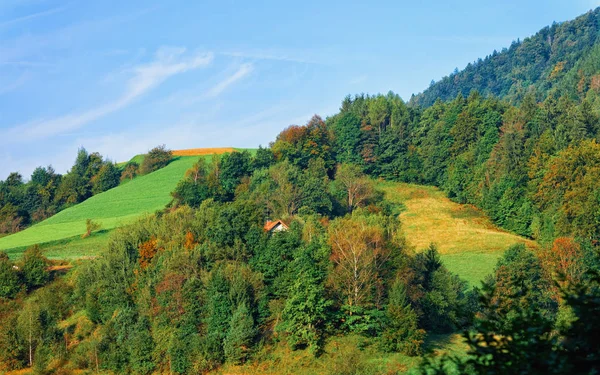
[112, 208]
[469, 243]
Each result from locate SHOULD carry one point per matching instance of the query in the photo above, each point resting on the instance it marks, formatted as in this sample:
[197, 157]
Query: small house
[275, 226]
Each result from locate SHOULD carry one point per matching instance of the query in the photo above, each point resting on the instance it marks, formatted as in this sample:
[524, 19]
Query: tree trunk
[96, 357]
[30, 340]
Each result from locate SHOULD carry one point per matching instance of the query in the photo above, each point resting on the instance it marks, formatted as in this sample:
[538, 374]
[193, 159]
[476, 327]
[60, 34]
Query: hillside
[469, 243]
[563, 57]
[112, 208]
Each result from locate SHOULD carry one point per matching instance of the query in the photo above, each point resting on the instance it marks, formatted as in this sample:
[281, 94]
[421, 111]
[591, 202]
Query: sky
[120, 77]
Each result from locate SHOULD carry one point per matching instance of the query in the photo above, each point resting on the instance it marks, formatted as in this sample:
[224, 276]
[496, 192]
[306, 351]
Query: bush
[35, 268]
[130, 171]
[9, 278]
[156, 158]
[90, 226]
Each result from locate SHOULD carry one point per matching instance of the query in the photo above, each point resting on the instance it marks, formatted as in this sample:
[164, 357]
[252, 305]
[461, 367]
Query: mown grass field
[113, 208]
[468, 241]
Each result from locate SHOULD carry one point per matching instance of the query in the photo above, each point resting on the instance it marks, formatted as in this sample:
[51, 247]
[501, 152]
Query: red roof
[270, 225]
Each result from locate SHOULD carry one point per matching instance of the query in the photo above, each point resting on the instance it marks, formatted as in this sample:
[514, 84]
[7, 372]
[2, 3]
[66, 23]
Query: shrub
[9, 278]
[90, 226]
[156, 158]
[35, 268]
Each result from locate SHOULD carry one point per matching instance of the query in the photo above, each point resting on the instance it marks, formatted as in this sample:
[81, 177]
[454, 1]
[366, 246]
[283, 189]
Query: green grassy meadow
[113, 208]
[469, 243]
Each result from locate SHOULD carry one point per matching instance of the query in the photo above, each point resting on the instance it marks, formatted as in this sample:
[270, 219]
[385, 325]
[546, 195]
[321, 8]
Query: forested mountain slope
[564, 57]
[202, 286]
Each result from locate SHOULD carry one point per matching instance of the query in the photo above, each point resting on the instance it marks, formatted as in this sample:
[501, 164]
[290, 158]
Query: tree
[240, 335]
[357, 187]
[30, 328]
[218, 313]
[141, 348]
[107, 178]
[379, 112]
[156, 158]
[305, 312]
[520, 284]
[233, 167]
[90, 226]
[264, 158]
[564, 258]
[197, 172]
[402, 333]
[443, 301]
[9, 278]
[532, 344]
[34, 268]
[358, 251]
[130, 171]
[346, 131]
[299, 144]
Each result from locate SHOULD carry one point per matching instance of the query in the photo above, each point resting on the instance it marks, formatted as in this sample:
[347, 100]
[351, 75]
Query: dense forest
[201, 283]
[563, 57]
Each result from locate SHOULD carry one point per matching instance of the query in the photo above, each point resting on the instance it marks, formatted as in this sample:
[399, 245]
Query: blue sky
[120, 77]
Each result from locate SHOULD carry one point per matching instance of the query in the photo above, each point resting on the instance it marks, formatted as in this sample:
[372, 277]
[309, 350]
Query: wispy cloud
[272, 55]
[25, 64]
[191, 97]
[27, 49]
[470, 39]
[144, 78]
[14, 21]
[242, 72]
[8, 87]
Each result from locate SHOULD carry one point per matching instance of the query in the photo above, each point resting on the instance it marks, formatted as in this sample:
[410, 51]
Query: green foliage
[346, 130]
[401, 333]
[443, 305]
[130, 170]
[240, 335]
[305, 312]
[520, 284]
[557, 58]
[10, 283]
[263, 158]
[141, 346]
[34, 268]
[90, 226]
[155, 159]
[530, 345]
[233, 167]
[107, 178]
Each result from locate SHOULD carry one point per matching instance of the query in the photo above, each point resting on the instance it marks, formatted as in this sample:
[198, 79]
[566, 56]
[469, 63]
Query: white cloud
[191, 97]
[217, 89]
[168, 62]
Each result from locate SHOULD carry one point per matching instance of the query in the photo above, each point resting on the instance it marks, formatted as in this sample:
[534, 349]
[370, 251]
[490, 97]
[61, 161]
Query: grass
[341, 354]
[113, 208]
[468, 241]
[59, 235]
[203, 151]
[71, 248]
